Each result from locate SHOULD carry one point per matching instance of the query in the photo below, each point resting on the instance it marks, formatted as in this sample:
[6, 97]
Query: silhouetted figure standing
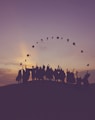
[26, 75]
[58, 74]
[70, 77]
[49, 73]
[78, 79]
[85, 79]
[33, 73]
[43, 72]
[55, 75]
[19, 77]
[36, 74]
[40, 75]
[62, 75]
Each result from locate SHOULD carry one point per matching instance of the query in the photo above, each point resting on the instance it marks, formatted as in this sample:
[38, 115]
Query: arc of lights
[47, 38]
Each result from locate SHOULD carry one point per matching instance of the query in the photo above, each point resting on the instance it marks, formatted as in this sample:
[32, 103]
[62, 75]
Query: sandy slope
[44, 100]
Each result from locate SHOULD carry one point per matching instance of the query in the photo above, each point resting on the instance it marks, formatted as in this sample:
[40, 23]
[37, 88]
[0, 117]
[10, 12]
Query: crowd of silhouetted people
[47, 73]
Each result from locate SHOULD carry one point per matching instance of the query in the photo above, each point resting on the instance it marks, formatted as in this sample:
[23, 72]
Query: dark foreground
[43, 100]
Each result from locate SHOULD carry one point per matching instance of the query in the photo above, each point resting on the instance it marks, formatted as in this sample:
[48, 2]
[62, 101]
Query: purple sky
[24, 22]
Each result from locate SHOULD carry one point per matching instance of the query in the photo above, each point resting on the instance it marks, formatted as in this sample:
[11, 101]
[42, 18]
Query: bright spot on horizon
[24, 59]
[66, 27]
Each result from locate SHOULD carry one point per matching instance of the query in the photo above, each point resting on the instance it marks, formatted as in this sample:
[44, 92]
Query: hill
[45, 100]
[92, 75]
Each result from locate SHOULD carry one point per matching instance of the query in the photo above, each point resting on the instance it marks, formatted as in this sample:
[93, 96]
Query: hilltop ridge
[39, 100]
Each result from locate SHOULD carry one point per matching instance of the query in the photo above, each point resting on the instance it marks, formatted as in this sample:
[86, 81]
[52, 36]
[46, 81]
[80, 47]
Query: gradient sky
[25, 22]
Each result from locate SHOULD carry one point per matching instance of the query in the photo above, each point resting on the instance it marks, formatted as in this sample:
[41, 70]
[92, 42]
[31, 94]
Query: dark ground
[44, 100]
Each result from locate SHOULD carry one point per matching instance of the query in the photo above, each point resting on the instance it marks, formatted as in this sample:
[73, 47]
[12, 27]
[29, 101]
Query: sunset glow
[24, 23]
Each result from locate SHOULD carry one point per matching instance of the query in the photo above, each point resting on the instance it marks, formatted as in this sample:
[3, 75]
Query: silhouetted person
[26, 75]
[58, 74]
[19, 77]
[33, 73]
[36, 73]
[62, 75]
[78, 81]
[40, 75]
[70, 77]
[85, 79]
[49, 73]
[55, 75]
[43, 72]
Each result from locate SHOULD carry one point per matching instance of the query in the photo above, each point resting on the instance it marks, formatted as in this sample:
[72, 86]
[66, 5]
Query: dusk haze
[54, 32]
[47, 59]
